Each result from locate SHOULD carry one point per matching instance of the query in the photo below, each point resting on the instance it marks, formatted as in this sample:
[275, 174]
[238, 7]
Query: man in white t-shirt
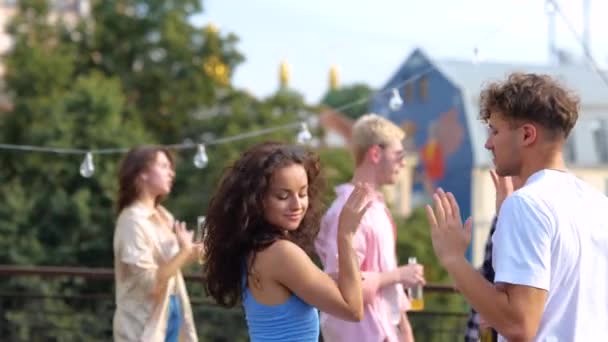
[551, 241]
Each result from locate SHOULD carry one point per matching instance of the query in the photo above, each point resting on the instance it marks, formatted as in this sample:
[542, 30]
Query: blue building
[440, 115]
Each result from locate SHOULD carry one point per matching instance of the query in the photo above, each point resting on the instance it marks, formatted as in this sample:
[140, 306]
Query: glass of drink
[415, 293]
[199, 236]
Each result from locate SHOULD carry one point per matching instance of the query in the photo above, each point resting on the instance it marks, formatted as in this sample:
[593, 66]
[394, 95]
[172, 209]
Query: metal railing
[41, 304]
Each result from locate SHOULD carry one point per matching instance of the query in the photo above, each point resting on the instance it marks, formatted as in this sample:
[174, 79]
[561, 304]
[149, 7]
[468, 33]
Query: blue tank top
[293, 320]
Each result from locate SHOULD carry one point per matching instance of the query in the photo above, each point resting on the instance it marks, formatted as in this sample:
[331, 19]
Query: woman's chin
[291, 226]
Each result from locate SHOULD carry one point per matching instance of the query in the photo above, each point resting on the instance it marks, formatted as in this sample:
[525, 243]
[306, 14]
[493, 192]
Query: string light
[365, 99]
[304, 136]
[554, 6]
[476, 57]
[550, 7]
[87, 168]
[200, 158]
[396, 101]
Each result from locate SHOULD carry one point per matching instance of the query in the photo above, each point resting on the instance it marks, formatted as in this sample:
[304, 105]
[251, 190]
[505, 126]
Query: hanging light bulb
[395, 102]
[87, 168]
[304, 135]
[550, 7]
[200, 158]
[476, 56]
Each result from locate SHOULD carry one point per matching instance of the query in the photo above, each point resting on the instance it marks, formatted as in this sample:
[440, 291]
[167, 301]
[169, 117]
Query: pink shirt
[375, 245]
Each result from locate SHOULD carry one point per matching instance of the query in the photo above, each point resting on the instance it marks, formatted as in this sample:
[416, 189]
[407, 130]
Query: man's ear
[529, 134]
[373, 153]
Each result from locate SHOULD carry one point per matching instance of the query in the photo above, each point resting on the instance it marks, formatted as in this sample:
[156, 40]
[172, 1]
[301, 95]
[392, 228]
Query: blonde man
[379, 157]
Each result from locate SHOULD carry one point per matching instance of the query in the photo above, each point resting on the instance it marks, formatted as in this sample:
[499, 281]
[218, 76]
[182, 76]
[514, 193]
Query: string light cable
[580, 40]
[200, 160]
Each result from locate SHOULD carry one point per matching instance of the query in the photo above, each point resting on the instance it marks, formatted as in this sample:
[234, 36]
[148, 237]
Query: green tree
[169, 69]
[52, 215]
[337, 165]
[50, 205]
[414, 240]
[132, 72]
[238, 113]
[353, 98]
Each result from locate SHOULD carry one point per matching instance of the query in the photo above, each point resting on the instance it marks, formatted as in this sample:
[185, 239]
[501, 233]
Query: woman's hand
[184, 236]
[185, 241]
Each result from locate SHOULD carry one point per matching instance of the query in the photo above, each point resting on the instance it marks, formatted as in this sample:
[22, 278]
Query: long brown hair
[235, 225]
[136, 161]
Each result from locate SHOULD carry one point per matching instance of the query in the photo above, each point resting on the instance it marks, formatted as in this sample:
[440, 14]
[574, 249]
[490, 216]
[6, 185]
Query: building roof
[342, 125]
[470, 77]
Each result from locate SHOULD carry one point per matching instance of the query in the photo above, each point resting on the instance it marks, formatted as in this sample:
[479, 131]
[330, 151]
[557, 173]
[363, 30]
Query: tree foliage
[354, 99]
[132, 72]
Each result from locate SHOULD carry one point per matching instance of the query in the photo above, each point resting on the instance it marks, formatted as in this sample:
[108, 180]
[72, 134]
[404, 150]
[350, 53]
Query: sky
[368, 40]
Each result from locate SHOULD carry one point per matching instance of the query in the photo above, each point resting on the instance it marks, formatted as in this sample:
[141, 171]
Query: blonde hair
[372, 129]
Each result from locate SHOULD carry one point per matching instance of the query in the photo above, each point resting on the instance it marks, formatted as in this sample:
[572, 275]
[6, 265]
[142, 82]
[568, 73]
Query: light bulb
[200, 158]
[550, 7]
[304, 135]
[395, 102]
[87, 168]
[595, 125]
[476, 56]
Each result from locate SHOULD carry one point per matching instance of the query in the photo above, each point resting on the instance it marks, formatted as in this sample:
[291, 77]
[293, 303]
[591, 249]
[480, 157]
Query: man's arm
[473, 328]
[513, 310]
[408, 275]
[372, 282]
[523, 241]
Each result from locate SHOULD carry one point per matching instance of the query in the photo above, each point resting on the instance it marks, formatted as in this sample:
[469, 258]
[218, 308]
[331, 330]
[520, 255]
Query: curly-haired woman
[261, 223]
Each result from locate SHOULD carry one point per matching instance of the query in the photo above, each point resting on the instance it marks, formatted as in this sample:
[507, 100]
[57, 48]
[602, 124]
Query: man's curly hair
[531, 97]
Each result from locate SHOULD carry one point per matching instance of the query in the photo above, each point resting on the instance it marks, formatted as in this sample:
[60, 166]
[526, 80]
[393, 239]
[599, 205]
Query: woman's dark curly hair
[235, 225]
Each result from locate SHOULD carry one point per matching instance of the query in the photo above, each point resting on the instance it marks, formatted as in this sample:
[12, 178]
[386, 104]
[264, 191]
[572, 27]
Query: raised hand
[185, 240]
[503, 186]
[184, 236]
[450, 238]
[355, 207]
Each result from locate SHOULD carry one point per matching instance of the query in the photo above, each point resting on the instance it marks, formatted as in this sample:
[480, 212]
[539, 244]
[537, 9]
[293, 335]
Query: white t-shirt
[552, 234]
